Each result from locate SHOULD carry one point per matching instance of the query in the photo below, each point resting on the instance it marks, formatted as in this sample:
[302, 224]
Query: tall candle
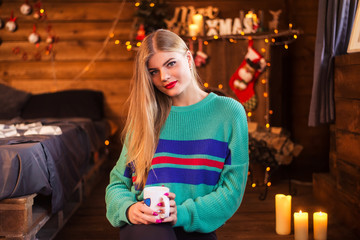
[198, 20]
[283, 214]
[301, 225]
[320, 220]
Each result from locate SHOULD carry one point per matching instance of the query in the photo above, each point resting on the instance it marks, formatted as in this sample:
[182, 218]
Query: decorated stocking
[200, 58]
[243, 80]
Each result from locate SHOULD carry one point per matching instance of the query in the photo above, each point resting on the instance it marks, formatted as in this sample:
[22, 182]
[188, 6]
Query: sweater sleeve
[209, 212]
[118, 195]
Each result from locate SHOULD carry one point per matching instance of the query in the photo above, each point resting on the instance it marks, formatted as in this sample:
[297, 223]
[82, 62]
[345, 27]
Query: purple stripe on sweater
[206, 146]
[128, 172]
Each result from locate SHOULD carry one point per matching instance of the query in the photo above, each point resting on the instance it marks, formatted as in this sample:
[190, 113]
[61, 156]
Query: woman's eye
[172, 63]
[152, 73]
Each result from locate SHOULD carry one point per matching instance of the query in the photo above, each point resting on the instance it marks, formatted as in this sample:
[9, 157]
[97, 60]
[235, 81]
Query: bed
[49, 143]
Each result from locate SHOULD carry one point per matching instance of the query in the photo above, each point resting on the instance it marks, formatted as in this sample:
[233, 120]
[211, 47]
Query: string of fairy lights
[276, 37]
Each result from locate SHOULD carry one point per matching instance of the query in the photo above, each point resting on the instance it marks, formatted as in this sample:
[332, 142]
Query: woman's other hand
[139, 213]
[173, 210]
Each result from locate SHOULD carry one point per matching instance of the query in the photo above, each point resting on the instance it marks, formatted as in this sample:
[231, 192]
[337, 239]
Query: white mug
[153, 196]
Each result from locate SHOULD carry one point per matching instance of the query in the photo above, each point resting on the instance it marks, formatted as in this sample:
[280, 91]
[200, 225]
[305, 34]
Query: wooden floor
[255, 218]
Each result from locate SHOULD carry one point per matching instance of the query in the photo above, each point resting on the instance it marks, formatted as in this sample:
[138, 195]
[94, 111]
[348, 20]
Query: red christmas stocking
[243, 80]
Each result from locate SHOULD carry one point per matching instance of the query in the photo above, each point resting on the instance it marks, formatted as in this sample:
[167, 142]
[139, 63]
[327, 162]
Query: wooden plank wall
[83, 25]
[344, 175]
[346, 164]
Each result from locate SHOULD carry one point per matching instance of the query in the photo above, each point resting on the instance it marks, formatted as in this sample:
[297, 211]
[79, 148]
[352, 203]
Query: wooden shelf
[258, 35]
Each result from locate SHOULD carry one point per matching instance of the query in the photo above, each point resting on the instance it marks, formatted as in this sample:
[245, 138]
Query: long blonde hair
[148, 107]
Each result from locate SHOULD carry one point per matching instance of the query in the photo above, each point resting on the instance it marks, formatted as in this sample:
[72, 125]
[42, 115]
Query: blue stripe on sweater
[207, 146]
[180, 175]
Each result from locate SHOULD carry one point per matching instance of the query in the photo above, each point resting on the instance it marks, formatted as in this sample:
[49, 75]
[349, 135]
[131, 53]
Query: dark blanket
[50, 164]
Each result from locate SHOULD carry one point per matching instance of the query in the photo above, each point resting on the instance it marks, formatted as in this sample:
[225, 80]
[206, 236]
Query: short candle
[320, 220]
[283, 214]
[301, 225]
[193, 30]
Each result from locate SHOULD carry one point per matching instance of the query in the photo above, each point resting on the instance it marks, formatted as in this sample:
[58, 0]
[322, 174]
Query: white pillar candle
[320, 220]
[301, 225]
[198, 20]
[283, 214]
[193, 30]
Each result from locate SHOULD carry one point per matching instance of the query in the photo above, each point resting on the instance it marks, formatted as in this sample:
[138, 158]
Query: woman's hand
[173, 210]
[139, 213]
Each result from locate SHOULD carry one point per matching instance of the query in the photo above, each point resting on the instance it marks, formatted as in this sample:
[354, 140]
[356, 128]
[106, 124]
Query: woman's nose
[164, 75]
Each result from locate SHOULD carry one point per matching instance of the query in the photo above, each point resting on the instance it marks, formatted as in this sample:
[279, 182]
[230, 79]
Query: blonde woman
[177, 135]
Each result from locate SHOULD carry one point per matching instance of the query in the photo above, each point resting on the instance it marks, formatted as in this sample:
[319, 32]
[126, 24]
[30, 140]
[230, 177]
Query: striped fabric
[190, 162]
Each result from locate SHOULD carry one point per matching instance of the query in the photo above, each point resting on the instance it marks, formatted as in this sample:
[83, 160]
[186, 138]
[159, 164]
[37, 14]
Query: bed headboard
[63, 104]
[11, 101]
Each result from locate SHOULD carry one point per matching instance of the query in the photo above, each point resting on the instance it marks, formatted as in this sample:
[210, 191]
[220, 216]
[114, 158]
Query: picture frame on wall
[354, 42]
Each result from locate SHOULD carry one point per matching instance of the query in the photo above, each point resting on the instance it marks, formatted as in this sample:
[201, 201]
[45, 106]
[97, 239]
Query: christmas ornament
[251, 22]
[140, 33]
[11, 24]
[273, 24]
[34, 37]
[243, 80]
[39, 12]
[36, 15]
[25, 8]
[200, 58]
[50, 39]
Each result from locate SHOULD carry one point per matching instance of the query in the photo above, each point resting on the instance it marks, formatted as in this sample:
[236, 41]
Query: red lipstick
[171, 85]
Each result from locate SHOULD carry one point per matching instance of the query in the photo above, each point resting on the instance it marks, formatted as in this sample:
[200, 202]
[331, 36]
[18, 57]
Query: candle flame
[249, 14]
[300, 211]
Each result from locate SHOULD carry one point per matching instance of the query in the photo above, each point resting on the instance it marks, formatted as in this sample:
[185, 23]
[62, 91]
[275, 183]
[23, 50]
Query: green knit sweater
[202, 156]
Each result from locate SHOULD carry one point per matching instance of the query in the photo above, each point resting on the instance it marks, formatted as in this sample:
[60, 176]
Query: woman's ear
[189, 58]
